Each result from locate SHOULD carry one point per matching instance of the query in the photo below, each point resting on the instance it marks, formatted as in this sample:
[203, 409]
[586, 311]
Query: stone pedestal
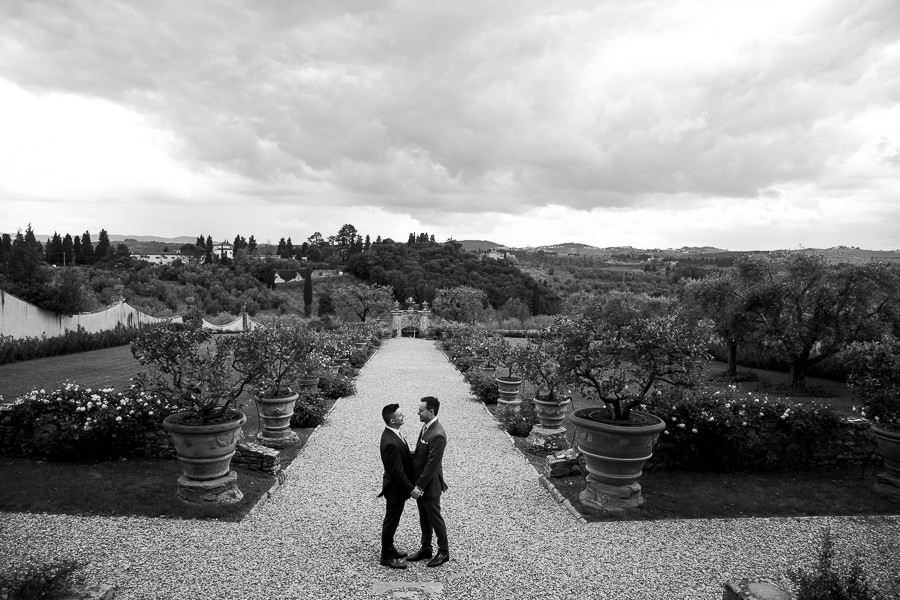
[608, 497]
[746, 589]
[543, 438]
[223, 490]
[277, 439]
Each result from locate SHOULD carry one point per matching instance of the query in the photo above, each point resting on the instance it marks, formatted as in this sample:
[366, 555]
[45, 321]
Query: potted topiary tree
[874, 377]
[624, 350]
[199, 376]
[539, 362]
[282, 357]
[499, 352]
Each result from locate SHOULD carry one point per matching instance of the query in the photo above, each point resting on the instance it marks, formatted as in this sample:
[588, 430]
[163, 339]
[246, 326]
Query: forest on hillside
[419, 270]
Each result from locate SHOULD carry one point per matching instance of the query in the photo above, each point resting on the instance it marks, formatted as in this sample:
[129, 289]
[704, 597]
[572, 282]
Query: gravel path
[318, 537]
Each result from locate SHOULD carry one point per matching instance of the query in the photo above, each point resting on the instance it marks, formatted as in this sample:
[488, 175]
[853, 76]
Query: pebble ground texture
[318, 537]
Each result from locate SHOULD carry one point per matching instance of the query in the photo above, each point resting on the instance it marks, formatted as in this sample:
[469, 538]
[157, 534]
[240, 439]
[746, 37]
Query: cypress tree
[102, 251]
[87, 248]
[307, 292]
[68, 248]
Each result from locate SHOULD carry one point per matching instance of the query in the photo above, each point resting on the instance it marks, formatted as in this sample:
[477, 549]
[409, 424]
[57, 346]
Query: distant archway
[415, 320]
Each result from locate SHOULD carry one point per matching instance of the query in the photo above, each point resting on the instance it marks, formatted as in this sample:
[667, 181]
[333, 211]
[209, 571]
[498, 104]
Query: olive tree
[362, 300]
[462, 303]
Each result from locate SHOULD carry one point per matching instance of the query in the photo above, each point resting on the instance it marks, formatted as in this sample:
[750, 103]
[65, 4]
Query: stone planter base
[222, 490]
[611, 498]
[542, 438]
[277, 441]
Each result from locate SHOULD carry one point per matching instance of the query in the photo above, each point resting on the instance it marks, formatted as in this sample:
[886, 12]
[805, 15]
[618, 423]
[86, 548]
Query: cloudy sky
[741, 124]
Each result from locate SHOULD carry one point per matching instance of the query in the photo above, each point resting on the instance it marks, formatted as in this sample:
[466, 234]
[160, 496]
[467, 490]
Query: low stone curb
[282, 475]
[555, 493]
[545, 483]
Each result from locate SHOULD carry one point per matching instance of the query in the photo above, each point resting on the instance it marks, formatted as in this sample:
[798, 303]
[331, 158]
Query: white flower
[119, 419]
[694, 430]
[681, 425]
[744, 423]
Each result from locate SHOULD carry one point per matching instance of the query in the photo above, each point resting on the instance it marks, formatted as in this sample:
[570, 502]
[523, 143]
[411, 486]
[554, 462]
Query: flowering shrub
[483, 386]
[729, 430]
[358, 357]
[522, 422]
[309, 410]
[335, 385]
[875, 378]
[76, 423]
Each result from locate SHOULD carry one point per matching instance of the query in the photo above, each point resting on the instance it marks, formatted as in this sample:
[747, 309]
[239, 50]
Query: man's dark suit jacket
[427, 461]
[398, 467]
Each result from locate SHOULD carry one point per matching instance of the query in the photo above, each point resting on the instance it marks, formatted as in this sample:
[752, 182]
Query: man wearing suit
[396, 483]
[429, 478]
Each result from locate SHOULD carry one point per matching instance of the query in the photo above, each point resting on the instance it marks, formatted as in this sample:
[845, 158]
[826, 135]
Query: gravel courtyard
[318, 537]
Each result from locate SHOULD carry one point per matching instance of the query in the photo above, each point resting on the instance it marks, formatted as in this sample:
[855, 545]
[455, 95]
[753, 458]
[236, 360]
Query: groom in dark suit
[396, 483]
[428, 472]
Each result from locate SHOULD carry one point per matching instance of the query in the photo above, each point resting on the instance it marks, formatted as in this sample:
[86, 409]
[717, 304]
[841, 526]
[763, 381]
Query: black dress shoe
[422, 554]
[394, 563]
[398, 552]
[439, 559]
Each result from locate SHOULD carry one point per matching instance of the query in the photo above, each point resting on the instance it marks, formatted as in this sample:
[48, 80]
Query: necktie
[422, 433]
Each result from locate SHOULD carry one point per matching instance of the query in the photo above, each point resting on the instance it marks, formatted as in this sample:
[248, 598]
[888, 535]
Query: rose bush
[78, 423]
[727, 430]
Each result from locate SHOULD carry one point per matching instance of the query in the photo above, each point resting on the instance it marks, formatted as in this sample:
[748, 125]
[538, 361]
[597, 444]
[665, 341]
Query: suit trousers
[431, 520]
[392, 515]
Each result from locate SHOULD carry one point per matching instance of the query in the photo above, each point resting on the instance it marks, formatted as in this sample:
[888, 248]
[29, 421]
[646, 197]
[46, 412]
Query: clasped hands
[416, 493]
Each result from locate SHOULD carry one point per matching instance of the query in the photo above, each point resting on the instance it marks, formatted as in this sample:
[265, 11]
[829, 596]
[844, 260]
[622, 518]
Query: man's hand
[416, 493]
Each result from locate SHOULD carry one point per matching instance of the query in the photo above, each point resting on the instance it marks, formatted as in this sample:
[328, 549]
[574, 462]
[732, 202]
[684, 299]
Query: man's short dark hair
[432, 403]
[388, 411]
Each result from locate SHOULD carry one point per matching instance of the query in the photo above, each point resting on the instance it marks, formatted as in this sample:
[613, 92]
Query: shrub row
[75, 423]
[725, 430]
[16, 349]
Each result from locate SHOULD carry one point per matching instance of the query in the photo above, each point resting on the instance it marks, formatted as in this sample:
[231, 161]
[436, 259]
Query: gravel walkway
[318, 537]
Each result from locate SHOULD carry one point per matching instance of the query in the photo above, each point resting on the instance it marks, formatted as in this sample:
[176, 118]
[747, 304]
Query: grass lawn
[143, 487]
[110, 367]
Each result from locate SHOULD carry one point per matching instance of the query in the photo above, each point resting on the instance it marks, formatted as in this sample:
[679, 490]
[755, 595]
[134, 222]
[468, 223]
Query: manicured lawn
[110, 367]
